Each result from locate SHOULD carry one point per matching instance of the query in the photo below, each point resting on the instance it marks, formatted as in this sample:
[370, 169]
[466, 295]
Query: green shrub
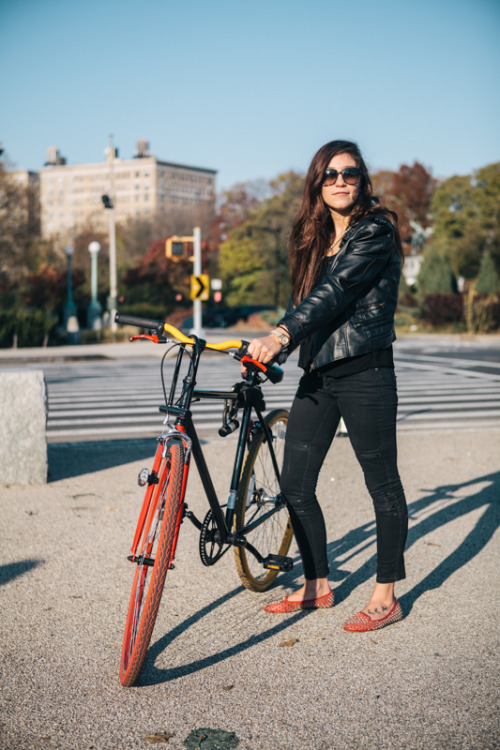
[482, 312]
[25, 327]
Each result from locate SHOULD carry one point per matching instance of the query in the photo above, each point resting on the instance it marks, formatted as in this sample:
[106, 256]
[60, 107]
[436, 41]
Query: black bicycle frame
[182, 411]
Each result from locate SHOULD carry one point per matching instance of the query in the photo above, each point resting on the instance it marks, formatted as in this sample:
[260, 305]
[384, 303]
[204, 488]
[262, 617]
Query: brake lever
[150, 337]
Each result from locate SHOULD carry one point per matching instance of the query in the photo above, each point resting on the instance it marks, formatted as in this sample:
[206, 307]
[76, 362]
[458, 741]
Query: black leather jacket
[351, 310]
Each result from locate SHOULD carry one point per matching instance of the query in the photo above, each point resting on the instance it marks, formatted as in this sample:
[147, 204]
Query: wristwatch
[282, 337]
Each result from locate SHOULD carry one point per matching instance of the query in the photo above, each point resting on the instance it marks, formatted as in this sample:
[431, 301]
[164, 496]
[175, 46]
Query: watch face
[282, 337]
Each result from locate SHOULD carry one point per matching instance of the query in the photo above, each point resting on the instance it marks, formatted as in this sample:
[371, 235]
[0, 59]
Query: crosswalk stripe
[117, 398]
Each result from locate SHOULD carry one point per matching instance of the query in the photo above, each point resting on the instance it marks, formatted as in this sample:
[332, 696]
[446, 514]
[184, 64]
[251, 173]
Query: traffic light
[177, 248]
[107, 202]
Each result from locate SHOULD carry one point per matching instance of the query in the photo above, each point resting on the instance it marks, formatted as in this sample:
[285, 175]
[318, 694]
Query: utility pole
[197, 271]
[110, 206]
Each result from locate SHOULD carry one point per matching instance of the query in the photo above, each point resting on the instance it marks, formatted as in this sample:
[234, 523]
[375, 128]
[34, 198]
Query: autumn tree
[156, 281]
[408, 192]
[254, 258]
[21, 250]
[236, 206]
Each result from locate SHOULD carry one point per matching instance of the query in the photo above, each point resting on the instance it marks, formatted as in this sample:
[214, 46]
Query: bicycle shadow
[152, 675]
[434, 510]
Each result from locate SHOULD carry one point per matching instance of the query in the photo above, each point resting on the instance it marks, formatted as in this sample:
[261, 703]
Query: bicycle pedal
[147, 561]
[278, 562]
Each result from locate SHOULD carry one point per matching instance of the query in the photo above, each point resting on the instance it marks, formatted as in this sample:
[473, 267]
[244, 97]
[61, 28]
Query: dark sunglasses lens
[351, 175]
[330, 176]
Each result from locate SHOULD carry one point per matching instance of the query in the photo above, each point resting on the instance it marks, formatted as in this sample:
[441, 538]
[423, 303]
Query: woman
[345, 258]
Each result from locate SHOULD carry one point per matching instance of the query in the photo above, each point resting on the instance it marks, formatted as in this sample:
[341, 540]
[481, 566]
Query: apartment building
[71, 195]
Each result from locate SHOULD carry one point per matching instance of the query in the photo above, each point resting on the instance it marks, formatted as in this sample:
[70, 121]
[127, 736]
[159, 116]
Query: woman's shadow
[434, 510]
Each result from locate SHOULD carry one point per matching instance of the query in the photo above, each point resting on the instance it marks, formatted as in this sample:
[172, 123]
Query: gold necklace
[335, 242]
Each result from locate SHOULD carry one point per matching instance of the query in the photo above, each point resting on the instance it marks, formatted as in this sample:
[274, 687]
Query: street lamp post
[94, 309]
[108, 201]
[70, 311]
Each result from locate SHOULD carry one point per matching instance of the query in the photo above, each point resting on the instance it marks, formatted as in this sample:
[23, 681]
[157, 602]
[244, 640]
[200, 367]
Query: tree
[18, 227]
[254, 259]
[236, 207]
[408, 192]
[22, 252]
[156, 279]
[467, 219]
[488, 278]
[436, 275]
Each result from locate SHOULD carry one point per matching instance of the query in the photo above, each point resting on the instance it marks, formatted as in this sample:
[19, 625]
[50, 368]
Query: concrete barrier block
[23, 415]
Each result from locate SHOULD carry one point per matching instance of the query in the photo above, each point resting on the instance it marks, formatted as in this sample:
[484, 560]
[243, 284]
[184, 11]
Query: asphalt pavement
[217, 661]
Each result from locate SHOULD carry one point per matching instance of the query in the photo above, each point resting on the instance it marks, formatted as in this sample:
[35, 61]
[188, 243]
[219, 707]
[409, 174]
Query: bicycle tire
[149, 580]
[258, 480]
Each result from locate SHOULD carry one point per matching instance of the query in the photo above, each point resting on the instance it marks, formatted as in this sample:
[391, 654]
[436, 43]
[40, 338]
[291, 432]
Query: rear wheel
[258, 493]
[155, 553]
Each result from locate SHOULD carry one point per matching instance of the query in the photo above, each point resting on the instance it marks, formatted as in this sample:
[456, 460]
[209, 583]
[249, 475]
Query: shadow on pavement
[152, 676]
[9, 571]
[435, 509]
[438, 507]
[74, 459]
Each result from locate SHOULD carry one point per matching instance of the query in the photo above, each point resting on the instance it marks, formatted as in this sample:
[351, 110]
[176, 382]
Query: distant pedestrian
[345, 262]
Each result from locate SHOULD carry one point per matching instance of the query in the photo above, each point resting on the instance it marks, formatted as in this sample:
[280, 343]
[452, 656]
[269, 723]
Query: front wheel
[154, 556]
[258, 493]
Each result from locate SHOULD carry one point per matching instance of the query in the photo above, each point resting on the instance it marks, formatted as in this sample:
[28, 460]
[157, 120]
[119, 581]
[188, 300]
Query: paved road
[217, 660]
[443, 384]
[285, 682]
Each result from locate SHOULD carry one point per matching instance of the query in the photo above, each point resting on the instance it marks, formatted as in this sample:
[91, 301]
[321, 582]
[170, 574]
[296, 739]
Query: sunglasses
[350, 175]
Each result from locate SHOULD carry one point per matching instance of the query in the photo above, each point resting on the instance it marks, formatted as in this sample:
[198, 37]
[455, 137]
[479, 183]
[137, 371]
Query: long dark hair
[313, 229]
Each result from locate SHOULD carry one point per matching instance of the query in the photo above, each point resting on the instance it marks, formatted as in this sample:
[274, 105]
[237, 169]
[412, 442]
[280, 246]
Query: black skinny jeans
[367, 401]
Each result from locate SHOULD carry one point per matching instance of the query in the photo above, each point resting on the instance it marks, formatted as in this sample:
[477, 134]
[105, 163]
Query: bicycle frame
[184, 431]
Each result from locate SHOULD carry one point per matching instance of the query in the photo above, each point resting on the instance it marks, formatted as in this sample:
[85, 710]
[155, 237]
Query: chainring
[211, 548]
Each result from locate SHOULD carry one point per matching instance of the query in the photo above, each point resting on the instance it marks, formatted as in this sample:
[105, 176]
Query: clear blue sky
[252, 88]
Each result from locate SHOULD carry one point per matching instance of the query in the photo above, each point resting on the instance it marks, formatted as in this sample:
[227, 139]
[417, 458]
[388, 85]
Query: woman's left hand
[263, 350]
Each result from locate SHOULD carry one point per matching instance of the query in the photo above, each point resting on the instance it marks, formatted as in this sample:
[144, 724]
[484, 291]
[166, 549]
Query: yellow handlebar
[188, 340]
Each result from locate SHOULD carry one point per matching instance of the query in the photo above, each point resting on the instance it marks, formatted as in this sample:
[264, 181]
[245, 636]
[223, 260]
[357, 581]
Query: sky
[252, 88]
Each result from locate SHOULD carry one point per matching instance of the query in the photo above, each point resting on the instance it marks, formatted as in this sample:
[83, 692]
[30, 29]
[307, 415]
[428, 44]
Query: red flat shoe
[284, 606]
[362, 623]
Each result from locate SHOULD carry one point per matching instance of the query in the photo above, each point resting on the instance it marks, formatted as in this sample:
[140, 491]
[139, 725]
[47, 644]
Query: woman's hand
[263, 350]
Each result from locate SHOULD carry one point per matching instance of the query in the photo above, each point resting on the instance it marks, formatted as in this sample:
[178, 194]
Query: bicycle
[255, 522]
